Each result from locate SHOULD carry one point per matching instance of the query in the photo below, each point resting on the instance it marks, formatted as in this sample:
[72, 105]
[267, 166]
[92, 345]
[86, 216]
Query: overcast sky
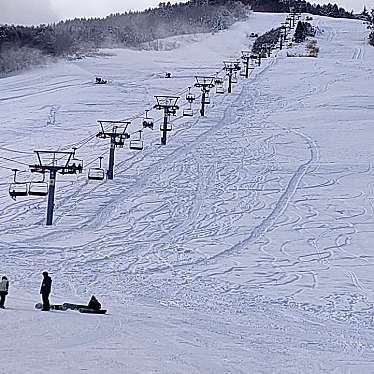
[46, 11]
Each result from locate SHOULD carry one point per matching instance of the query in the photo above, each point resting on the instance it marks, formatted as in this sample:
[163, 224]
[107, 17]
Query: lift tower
[281, 39]
[284, 27]
[54, 162]
[169, 105]
[293, 17]
[246, 57]
[231, 67]
[205, 83]
[117, 136]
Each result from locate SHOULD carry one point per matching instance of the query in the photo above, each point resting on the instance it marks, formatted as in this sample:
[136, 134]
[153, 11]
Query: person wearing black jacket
[4, 287]
[94, 303]
[45, 290]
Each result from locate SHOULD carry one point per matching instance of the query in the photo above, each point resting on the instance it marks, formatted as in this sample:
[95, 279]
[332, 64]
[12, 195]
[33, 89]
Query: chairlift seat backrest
[188, 113]
[220, 90]
[168, 127]
[18, 189]
[97, 174]
[38, 189]
[190, 97]
[136, 145]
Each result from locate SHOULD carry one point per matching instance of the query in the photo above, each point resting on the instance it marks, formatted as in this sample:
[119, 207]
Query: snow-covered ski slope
[245, 245]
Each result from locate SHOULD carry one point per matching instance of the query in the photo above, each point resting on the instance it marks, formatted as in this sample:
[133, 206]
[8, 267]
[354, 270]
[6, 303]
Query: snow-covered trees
[269, 39]
[130, 29]
[303, 29]
[371, 26]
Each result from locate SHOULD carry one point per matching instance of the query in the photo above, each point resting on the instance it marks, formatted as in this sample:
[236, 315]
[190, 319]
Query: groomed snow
[242, 246]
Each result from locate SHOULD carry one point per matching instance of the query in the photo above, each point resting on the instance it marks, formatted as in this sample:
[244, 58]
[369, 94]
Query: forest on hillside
[22, 46]
[369, 18]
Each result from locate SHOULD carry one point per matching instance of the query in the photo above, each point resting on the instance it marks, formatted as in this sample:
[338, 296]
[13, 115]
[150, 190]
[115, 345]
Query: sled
[73, 306]
[92, 311]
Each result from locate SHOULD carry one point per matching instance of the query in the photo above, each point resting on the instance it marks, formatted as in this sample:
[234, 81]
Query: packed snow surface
[242, 246]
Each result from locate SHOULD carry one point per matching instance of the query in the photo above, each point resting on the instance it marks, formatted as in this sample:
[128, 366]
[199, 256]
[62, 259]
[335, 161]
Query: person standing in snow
[45, 290]
[4, 287]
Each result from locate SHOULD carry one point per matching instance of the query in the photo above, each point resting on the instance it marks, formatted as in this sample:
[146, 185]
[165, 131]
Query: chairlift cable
[91, 162]
[5, 167]
[18, 162]
[12, 150]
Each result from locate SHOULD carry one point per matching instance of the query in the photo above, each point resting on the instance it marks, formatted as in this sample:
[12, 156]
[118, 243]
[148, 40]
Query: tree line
[369, 18]
[21, 45]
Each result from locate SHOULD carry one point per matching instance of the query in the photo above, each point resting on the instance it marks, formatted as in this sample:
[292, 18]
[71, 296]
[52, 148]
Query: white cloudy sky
[45, 11]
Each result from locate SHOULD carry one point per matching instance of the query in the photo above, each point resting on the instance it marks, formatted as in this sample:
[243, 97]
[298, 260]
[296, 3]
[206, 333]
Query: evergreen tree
[300, 34]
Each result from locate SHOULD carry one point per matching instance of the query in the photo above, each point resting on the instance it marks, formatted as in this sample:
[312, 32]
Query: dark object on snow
[45, 290]
[73, 306]
[168, 75]
[92, 311]
[94, 303]
[100, 80]
[52, 307]
[4, 287]
[93, 307]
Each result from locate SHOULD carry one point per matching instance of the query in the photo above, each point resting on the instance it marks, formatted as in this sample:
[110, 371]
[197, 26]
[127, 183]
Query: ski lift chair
[99, 80]
[17, 189]
[220, 89]
[219, 86]
[137, 144]
[234, 78]
[76, 165]
[169, 127]
[207, 98]
[97, 173]
[188, 112]
[147, 121]
[190, 97]
[121, 140]
[38, 188]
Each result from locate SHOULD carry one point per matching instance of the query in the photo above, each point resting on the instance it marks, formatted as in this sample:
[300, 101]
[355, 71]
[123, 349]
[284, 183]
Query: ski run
[244, 245]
